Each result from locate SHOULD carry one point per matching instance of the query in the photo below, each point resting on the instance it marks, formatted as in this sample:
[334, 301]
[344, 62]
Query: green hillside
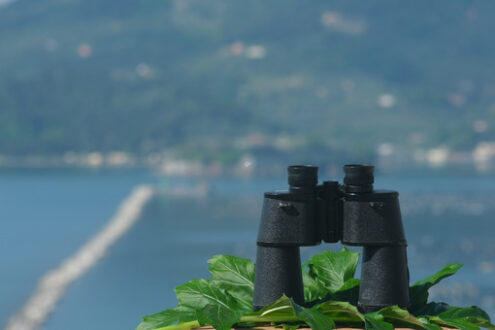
[143, 76]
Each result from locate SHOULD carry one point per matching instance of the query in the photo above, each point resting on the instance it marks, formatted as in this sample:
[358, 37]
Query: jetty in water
[52, 286]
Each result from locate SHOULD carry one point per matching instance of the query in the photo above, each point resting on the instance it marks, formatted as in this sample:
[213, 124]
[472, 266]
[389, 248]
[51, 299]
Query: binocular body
[353, 213]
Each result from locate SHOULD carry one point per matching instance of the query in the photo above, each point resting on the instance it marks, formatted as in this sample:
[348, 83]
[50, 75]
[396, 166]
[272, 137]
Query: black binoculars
[353, 213]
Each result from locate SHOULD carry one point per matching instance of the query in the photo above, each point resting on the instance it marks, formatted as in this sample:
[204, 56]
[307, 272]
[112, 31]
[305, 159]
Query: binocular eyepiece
[353, 213]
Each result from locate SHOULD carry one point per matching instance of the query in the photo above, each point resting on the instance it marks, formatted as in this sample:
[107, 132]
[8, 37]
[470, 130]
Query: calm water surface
[47, 216]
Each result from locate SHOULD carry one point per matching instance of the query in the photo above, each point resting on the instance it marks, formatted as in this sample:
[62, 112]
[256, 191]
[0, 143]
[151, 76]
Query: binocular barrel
[278, 272]
[384, 278]
[354, 213]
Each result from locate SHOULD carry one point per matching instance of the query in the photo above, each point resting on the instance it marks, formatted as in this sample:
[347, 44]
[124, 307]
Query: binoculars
[353, 213]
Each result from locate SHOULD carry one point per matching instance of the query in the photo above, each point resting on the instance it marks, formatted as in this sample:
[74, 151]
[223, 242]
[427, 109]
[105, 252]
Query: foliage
[330, 291]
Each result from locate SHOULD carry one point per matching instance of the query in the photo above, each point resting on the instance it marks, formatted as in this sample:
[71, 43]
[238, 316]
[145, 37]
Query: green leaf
[167, 317]
[473, 315]
[280, 307]
[348, 292]
[428, 325]
[432, 309]
[418, 292]
[182, 326]
[460, 312]
[479, 321]
[224, 300]
[400, 317]
[375, 321]
[459, 323]
[236, 276]
[342, 312]
[213, 305]
[292, 326]
[286, 310]
[280, 310]
[313, 290]
[333, 269]
[313, 317]
[217, 316]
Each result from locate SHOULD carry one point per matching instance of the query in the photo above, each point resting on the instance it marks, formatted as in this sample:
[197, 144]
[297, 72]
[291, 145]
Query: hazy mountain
[146, 75]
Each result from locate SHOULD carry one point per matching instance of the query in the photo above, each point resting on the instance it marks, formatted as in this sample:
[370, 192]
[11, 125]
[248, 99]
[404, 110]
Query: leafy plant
[330, 288]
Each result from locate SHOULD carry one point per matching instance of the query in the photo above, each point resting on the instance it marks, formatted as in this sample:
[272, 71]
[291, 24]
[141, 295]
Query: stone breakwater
[52, 286]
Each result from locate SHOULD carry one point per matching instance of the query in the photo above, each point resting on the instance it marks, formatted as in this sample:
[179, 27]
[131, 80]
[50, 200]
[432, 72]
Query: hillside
[144, 76]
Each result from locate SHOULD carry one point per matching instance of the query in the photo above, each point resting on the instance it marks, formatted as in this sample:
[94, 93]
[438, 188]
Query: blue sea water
[46, 216]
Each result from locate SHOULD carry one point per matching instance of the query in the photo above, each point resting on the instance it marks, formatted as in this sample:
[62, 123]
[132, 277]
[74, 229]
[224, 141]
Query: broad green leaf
[428, 325]
[279, 311]
[291, 326]
[460, 323]
[313, 317]
[435, 320]
[400, 317]
[459, 312]
[333, 269]
[182, 326]
[348, 292]
[473, 314]
[213, 305]
[432, 309]
[481, 322]
[218, 316]
[342, 312]
[222, 301]
[418, 292]
[167, 317]
[236, 276]
[313, 290]
[375, 321]
[280, 307]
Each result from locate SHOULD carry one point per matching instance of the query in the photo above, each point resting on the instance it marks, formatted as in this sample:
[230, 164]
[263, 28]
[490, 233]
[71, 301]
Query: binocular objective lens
[303, 175]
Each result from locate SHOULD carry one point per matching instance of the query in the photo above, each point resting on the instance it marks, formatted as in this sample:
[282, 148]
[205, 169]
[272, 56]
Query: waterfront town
[253, 155]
